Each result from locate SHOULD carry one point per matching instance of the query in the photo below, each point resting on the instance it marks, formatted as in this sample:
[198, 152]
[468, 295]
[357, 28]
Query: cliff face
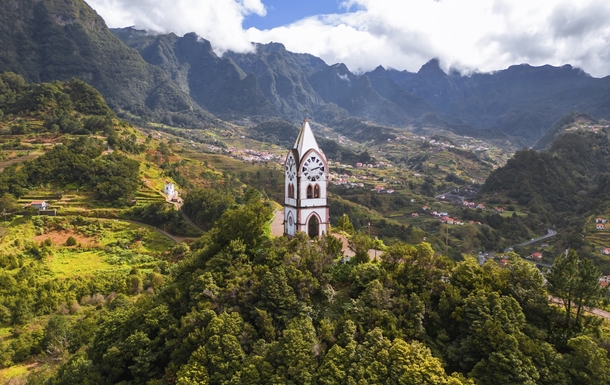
[46, 40]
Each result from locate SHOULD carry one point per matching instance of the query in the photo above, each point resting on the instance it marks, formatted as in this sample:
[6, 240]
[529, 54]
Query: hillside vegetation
[562, 185]
[48, 40]
[94, 298]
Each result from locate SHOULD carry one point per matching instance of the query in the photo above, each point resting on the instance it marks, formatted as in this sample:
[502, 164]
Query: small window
[316, 191]
[309, 192]
[291, 191]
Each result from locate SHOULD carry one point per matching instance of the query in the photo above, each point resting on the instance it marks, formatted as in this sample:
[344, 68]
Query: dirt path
[277, 226]
[19, 159]
[595, 311]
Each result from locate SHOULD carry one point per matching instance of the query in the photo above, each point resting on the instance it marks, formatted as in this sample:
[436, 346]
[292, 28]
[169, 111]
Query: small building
[601, 220]
[499, 209]
[480, 206]
[536, 255]
[605, 250]
[450, 221]
[425, 208]
[169, 189]
[414, 215]
[40, 205]
[600, 226]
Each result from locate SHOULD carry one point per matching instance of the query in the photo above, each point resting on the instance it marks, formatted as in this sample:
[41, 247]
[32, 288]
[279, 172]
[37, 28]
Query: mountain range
[181, 81]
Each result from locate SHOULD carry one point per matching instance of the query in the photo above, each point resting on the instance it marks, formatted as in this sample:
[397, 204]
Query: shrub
[71, 241]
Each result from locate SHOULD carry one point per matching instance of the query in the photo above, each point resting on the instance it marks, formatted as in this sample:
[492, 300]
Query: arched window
[309, 192]
[313, 227]
[316, 191]
[290, 190]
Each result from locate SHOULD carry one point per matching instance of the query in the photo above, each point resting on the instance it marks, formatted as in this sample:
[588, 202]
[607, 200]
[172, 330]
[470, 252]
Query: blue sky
[284, 12]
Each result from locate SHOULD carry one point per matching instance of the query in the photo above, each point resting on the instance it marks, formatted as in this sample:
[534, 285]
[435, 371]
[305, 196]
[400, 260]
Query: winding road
[550, 233]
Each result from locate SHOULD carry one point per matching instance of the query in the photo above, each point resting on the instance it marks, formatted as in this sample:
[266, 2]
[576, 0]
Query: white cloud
[466, 34]
[219, 21]
[404, 34]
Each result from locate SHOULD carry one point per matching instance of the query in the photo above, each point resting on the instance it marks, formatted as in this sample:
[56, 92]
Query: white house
[169, 189]
[40, 205]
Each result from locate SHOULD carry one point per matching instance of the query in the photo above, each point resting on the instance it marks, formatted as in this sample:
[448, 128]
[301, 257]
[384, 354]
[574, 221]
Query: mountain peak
[431, 67]
[379, 71]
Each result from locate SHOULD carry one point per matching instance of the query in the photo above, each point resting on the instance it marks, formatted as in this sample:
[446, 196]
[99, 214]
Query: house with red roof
[536, 255]
[605, 250]
[40, 205]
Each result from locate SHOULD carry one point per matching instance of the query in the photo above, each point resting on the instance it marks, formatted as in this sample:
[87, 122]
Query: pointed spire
[305, 140]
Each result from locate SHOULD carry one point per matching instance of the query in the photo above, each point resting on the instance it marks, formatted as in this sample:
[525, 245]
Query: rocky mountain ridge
[177, 80]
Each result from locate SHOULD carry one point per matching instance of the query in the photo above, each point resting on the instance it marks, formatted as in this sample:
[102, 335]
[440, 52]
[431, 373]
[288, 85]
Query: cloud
[219, 21]
[465, 34]
[471, 35]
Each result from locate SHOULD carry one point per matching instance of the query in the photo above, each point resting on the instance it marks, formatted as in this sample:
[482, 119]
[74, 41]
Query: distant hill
[570, 122]
[520, 101]
[46, 40]
[562, 185]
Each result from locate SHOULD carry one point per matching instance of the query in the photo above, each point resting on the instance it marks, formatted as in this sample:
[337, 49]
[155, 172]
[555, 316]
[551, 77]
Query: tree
[296, 354]
[413, 364]
[360, 243]
[575, 282]
[246, 222]
[589, 363]
[8, 204]
[344, 224]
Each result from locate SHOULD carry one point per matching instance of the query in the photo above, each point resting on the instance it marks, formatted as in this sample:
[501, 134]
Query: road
[490, 254]
[549, 234]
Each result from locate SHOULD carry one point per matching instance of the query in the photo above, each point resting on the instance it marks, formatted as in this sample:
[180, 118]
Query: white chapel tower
[306, 174]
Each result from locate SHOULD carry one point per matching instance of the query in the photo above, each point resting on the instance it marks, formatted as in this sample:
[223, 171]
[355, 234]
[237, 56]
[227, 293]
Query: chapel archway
[313, 227]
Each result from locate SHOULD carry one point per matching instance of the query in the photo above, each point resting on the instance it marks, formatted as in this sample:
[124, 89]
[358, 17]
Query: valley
[142, 189]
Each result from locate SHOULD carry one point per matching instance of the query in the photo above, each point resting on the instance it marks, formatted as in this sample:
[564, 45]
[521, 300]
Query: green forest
[243, 308]
[119, 302]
